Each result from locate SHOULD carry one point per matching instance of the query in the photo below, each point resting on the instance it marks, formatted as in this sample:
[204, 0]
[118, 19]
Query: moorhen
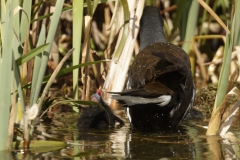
[96, 117]
[160, 89]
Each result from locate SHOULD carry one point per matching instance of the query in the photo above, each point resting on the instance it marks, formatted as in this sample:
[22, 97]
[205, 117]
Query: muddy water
[189, 142]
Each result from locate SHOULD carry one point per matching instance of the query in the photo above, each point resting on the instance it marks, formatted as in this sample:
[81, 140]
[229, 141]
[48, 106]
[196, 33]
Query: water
[189, 142]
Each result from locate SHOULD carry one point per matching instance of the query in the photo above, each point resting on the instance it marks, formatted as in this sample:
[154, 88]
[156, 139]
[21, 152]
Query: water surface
[188, 142]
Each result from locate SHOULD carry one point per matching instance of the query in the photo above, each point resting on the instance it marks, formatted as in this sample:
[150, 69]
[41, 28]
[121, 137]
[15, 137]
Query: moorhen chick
[96, 117]
[160, 89]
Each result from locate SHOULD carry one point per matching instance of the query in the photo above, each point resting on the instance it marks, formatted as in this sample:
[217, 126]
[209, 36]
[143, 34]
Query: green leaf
[5, 72]
[70, 69]
[95, 4]
[236, 25]
[77, 36]
[181, 19]
[27, 7]
[50, 14]
[37, 66]
[125, 30]
[50, 38]
[189, 29]
[41, 144]
[66, 70]
[31, 54]
[89, 7]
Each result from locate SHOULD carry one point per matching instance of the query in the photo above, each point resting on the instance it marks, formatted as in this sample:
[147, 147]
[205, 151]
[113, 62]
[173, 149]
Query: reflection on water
[127, 144]
[189, 142]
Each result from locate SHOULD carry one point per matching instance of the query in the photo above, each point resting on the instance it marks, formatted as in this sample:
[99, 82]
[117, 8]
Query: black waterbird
[160, 89]
[98, 117]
